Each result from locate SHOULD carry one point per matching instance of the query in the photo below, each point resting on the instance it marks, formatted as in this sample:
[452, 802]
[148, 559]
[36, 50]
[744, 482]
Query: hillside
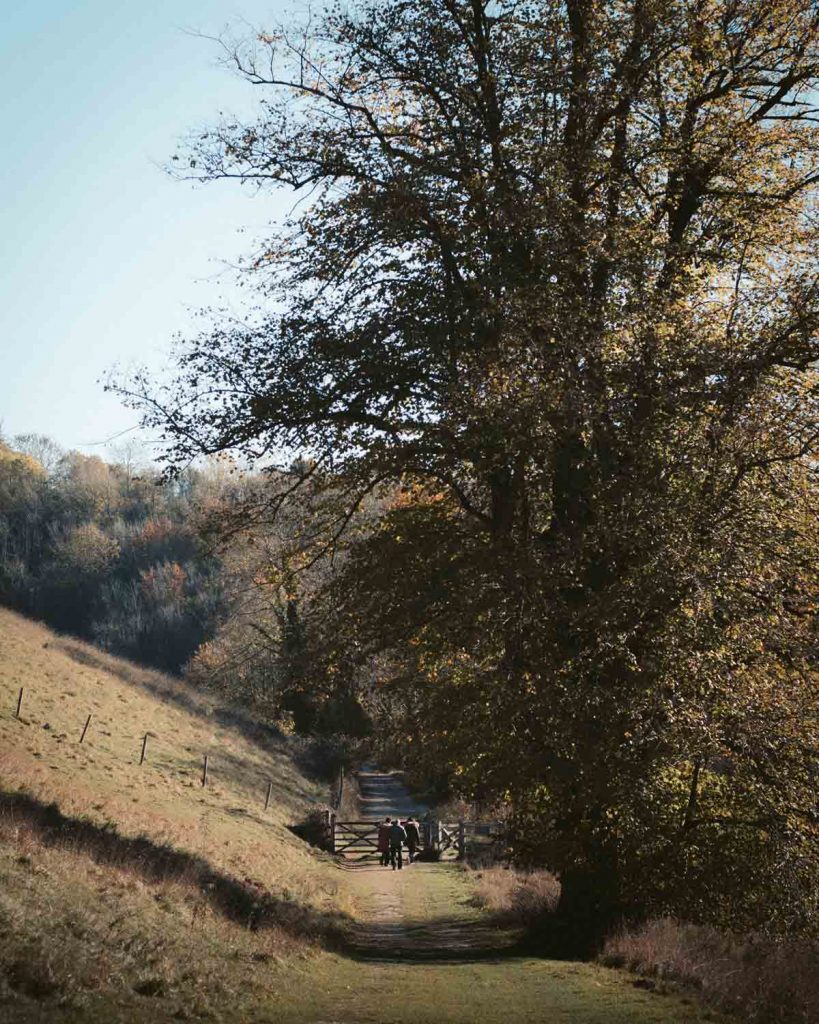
[122, 859]
[65, 681]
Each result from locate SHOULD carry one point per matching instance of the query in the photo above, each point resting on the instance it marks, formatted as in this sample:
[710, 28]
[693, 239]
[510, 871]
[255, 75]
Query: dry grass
[79, 934]
[246, 901]
[131, 895]
[766, 981]
[101, 780]
[128, 882]
[520, 897]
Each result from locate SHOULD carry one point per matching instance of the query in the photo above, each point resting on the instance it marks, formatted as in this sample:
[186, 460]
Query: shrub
[521, 897]
[767, 980]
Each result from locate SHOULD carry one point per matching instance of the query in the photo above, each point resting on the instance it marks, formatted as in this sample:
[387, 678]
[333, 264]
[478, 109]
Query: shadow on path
[446, 940]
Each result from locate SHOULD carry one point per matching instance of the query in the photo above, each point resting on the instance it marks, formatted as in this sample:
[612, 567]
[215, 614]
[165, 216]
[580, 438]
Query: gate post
[461, 840]
[332, 831]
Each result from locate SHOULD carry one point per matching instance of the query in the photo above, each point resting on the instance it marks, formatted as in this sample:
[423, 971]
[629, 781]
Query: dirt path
[422, 913]
[418, 912]
[422, 952]
[383, 794]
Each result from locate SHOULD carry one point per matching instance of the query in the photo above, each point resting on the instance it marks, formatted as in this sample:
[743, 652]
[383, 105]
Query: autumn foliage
[557, 280]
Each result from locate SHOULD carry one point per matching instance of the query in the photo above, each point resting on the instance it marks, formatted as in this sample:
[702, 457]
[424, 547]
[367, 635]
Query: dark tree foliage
[555, 282]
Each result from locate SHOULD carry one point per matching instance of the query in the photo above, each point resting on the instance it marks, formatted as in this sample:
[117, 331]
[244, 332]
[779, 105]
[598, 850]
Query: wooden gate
[450, 839]
[447, 840]
[457, 839]
[352, 836]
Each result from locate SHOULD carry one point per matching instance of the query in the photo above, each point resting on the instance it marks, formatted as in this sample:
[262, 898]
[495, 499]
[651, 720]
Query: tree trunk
[590, 908]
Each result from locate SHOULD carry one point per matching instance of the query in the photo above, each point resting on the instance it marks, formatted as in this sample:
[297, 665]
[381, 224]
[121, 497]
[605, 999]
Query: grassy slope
[96, 925]
[65, 680]
[87, 908]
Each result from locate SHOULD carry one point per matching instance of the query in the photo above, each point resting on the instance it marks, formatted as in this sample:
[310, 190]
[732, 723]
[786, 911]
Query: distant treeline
[113, 553]
[106, 551]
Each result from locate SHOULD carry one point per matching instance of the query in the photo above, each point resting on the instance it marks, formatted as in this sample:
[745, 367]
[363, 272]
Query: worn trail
[422, 952]
[383, 794]
[422, 912]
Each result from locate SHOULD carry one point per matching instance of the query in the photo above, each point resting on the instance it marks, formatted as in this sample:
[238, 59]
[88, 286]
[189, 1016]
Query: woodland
[515, 449]
[113, 553]
[107, 552]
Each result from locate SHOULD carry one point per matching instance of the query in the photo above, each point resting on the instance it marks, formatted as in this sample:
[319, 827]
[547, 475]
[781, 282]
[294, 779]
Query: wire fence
[202, 774]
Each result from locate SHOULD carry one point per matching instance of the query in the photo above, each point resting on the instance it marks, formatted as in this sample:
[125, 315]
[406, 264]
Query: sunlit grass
[65, 680]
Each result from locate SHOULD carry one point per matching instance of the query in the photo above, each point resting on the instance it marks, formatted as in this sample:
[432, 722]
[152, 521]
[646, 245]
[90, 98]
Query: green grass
[510, 991]
[501, 989]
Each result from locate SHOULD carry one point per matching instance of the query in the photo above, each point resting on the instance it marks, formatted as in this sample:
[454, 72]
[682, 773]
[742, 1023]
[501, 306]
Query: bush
[766, 980]
[313, 828]
[521, 897]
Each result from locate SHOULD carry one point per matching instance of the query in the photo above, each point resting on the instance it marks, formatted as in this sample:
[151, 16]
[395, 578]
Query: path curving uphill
[384, 794]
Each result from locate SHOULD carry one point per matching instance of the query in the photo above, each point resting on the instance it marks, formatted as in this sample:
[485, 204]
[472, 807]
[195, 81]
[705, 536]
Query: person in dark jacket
[384, 841]
[413, 836]
[397, 839]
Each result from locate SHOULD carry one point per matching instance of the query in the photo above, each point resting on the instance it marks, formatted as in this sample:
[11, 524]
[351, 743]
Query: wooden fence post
[144, 746]
[461, 840]
[205, 771]
[267, 798]
[85, 728]
[332, 831]
[19, 703]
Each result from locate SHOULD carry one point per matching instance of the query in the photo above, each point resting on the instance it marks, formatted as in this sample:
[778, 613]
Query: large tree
[555, 276]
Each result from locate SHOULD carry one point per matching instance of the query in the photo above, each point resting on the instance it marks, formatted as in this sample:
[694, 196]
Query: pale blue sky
[105, 257]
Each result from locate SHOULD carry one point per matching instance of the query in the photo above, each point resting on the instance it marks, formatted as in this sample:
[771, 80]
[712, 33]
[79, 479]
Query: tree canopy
[553, 281]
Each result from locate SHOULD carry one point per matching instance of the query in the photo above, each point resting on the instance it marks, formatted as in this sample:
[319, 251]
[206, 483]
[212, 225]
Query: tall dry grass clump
[520, 897]
[764, 979]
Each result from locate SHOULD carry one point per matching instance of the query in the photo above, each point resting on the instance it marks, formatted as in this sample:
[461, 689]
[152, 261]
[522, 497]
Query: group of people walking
[393, 836]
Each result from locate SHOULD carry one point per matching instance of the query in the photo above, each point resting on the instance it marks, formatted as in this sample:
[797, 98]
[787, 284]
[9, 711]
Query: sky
[105, 257]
